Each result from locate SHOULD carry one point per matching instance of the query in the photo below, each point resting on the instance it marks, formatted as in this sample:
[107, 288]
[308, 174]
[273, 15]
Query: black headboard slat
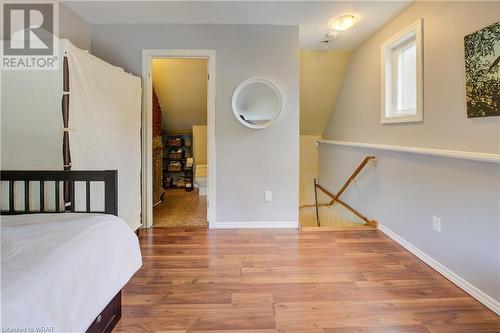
[27, 196]
[11, 198]
[57, 198]
[41, 196]
[109, 177]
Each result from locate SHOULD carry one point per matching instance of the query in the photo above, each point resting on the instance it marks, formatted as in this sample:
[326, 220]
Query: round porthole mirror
[257, 103]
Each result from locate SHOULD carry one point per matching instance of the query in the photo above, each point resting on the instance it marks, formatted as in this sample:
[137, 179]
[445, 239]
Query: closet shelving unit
[173, 142]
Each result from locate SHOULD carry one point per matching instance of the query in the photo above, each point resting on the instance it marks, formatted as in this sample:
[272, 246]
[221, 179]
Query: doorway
[183, 192]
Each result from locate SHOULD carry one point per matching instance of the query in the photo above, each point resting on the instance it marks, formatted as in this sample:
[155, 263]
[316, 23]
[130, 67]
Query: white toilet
[200, 178]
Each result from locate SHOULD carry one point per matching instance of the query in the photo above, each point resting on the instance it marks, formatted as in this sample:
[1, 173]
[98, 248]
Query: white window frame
[410, 35]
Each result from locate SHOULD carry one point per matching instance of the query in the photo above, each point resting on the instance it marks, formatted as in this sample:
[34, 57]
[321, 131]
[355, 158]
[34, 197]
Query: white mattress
[60, 270]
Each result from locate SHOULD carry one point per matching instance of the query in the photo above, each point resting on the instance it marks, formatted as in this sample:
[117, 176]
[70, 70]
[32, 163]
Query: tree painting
[482, 72]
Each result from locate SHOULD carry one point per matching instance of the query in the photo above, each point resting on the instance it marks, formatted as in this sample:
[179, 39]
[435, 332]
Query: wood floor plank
[381, 329]
[269, 281]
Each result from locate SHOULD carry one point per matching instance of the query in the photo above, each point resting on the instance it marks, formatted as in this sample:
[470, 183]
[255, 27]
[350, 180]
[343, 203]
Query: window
[402, 77]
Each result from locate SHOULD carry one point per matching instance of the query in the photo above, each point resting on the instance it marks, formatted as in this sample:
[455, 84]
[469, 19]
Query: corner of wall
[321, 76]
[74, 28]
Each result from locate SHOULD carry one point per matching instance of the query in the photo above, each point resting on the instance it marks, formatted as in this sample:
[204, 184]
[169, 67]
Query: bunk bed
[68, 248]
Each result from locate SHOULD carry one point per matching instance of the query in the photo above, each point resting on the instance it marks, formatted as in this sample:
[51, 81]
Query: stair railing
[335, 198]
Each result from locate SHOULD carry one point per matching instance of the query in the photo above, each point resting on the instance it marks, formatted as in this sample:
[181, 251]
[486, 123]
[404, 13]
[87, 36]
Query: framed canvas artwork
[482, 72]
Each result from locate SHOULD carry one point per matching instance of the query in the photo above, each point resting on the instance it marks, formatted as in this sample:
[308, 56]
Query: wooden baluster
[336, 197]
[316, 203]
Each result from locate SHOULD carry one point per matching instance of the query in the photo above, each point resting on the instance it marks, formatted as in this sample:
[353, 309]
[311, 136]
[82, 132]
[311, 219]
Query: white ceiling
[311, 16]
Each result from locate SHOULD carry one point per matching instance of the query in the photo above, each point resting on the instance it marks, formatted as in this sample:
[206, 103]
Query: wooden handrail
[336, 197]
[355, 174]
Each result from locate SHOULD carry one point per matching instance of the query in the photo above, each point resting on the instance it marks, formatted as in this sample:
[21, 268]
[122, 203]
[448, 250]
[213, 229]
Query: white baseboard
[255, 225]
[469, 288]
[202, 191]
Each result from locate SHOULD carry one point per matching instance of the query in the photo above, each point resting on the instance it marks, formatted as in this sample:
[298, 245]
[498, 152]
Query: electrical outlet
[268, 195]
[436, 224]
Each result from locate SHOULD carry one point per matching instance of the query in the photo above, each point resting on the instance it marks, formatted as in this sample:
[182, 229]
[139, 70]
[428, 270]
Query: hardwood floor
[181, 209]
[199, 280]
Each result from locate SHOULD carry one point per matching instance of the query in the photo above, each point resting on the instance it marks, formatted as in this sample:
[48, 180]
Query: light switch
[268, 195]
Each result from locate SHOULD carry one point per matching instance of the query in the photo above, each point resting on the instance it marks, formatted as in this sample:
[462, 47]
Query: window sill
[401, 119]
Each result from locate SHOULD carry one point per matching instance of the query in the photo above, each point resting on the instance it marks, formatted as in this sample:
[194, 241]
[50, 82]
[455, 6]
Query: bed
[63, 269]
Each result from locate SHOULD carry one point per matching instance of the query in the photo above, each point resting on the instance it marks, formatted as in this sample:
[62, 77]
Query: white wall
[405, 190]
[200, 145]
[308, 167]
[248, 161]
[181, 87]
[357, 107]
[321, 75]
[74, 28]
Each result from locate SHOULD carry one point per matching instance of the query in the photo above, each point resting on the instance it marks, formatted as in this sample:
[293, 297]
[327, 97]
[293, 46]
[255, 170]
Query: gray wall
[405, 190]
[248, 161]
[356, 114]
[74, 28]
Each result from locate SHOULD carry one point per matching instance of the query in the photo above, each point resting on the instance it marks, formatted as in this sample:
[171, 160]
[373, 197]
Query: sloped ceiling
[181, 87]
[311, 16]
[321, 74]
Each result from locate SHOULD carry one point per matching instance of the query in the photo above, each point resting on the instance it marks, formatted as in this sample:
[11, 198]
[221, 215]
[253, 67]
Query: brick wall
[156, 115]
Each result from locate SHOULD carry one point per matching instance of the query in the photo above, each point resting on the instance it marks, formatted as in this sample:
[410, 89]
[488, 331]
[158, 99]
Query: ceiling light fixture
[343, 22]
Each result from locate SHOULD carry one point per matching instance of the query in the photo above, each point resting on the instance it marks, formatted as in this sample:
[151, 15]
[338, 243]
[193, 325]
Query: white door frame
[147, 128]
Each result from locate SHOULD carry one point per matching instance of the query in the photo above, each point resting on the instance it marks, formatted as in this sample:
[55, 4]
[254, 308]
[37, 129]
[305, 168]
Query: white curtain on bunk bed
[31, 129]
[105, 110]
[31, 120]
[104, 124]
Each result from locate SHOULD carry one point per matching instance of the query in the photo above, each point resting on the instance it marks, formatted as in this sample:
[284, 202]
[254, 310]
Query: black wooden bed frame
[111, 314]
